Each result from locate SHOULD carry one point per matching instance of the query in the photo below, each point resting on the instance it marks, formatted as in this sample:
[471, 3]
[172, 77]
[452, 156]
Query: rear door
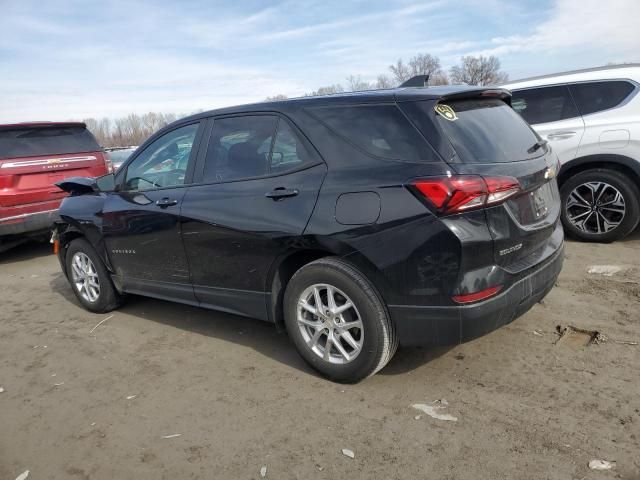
[258, 184]
[553, 114]
[487, 138]
[141, 221]
[34, 157]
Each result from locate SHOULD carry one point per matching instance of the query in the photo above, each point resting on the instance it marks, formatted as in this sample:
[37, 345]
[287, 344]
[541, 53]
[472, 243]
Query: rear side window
[487, 131]
[380, 130]
[39, 141]
[288, 151]
[239, 148]
[595, 97]
[543, 105]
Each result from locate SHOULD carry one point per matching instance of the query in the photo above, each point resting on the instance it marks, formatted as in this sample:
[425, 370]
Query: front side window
[543, 105]
[380, 130]
[164, 162]
[593, 97]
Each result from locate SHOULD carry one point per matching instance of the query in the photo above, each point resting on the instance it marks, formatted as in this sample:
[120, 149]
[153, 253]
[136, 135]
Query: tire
[586, 190]
[107, 297]
[376, 337]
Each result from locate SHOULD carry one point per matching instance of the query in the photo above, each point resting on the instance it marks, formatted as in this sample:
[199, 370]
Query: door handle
[281, 192]
[166, 202]
[561, 135]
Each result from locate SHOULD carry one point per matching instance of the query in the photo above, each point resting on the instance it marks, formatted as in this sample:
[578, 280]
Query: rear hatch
[487, 138]
[33, 157]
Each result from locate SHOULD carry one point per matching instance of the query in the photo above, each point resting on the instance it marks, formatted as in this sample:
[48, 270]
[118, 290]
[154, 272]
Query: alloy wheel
[595, 207]
[330, 324]
[85, 277]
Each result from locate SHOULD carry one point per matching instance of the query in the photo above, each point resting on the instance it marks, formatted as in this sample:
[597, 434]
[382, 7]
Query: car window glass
[598, 96]
[164, 162]
[239, 148]
[380, 130]
[487, 130]
[48, 140]
[543, 105]
[289, 152]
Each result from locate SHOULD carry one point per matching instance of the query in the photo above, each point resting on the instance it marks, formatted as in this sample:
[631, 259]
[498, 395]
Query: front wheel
[89, 278]
[338, 321]
[600, 205]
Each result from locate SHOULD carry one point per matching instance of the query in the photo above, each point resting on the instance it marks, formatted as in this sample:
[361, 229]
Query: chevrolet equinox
[357, 222]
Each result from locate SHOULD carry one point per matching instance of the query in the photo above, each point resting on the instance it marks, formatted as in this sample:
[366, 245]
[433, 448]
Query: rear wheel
[89, 278]
[338, 321]
[600, 205]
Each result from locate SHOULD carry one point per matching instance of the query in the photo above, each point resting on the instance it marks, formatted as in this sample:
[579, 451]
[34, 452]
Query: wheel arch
[69, 231]
[285, 268]
[616, 162]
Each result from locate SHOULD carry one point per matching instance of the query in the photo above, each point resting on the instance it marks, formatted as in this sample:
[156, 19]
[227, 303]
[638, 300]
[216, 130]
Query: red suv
[33, 157]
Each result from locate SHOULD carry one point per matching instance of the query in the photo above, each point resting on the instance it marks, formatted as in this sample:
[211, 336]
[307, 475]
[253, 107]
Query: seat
[245, 161]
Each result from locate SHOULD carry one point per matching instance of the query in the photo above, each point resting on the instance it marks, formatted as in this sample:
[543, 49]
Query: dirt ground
[82, 404]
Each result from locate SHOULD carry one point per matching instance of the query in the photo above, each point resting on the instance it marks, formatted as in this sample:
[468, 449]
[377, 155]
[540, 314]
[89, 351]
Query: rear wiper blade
[536, 146]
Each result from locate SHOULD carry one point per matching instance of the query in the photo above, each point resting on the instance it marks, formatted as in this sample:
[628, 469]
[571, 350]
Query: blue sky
[72, 59]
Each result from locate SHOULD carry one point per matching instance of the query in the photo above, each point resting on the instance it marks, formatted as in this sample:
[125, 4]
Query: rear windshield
[32, 142]
[380, 130]
[487, 131]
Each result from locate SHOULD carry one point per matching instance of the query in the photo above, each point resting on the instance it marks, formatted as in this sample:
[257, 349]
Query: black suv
[412, 216]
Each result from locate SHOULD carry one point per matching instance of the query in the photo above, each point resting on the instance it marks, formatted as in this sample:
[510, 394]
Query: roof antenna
[417, 81]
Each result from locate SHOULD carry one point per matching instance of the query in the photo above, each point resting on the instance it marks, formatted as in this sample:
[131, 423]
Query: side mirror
[106, 183]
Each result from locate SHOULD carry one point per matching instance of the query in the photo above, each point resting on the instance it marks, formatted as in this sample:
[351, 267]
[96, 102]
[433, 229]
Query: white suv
[591, 118]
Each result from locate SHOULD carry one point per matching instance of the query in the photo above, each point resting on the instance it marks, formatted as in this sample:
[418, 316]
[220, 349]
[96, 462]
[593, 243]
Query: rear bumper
[451, 325]
[28, 222]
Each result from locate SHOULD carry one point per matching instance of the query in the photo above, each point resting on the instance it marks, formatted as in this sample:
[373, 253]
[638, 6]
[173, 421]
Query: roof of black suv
[366, 96]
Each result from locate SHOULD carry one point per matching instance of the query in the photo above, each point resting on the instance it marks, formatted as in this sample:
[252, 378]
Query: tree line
[472, 70]
[128, 131]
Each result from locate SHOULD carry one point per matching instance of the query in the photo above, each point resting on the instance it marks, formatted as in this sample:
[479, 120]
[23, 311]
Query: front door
[141, 221]
[259, 184]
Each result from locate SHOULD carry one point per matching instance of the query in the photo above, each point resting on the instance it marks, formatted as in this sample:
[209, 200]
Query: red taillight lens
[474, 297]
[465, 192]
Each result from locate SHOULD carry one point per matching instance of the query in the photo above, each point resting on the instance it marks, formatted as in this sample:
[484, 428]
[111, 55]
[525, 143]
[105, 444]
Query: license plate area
[535, 207]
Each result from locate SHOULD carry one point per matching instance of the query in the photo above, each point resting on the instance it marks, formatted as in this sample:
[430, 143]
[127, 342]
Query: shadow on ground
[25, 251]
[258, 335]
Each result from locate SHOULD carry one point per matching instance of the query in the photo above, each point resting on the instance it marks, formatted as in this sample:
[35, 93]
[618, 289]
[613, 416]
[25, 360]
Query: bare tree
[101, 129]
[423, 64]
[337, 88]
[130, 130]
[478, 71]
[276, 98]
[356, 84]
[383, 81]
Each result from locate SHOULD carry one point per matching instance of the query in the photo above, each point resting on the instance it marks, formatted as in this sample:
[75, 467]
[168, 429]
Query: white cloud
[611, 26]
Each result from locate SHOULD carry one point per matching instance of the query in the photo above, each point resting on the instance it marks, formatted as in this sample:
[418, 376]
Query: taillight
[108, 163]
[460, 193]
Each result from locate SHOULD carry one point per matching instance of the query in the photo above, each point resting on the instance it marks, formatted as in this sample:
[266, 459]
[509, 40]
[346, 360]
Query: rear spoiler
[18, 126]
[494, 92]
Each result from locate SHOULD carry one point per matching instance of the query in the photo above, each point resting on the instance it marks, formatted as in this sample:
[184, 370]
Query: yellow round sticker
[446, 111]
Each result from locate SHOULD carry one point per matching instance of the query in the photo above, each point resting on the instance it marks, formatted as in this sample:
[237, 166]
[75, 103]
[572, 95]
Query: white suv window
[545, 104]
[592, 97]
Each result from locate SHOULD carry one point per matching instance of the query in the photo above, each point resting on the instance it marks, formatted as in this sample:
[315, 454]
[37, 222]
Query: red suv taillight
[459, 193]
